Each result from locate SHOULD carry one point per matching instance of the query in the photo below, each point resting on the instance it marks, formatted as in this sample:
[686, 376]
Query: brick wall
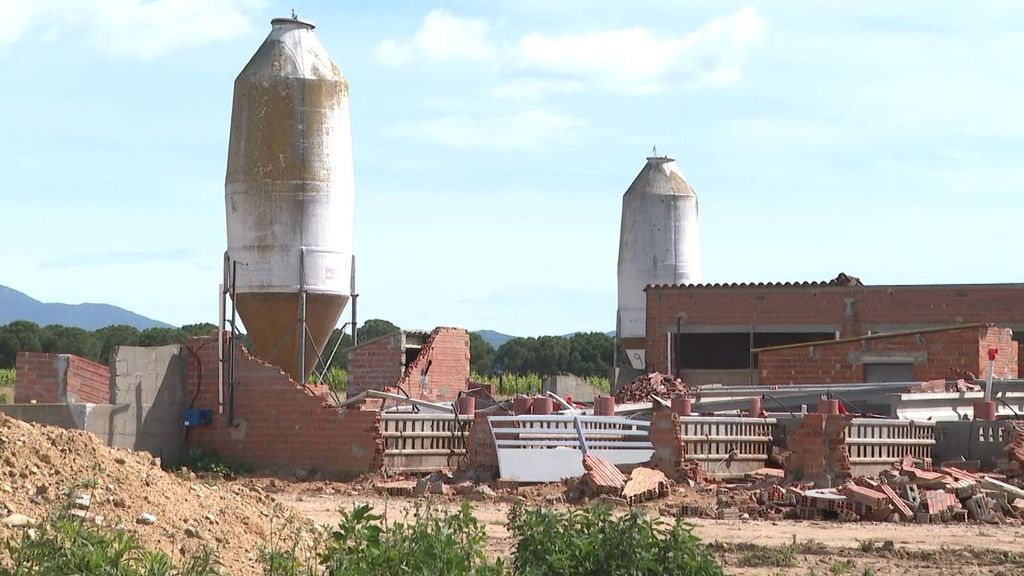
[1007, 360]
[826, 308]
[375, 364]
[817, 450]
[934, 356]
[87, 381]
[279, 424]
[444, 360]
[59, 378]
[667, 439]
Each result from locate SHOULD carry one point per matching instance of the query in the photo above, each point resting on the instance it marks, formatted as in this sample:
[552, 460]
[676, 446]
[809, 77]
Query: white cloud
[535, 88]
[633, 60]
[128, 28]
[639, 61]
[442, 38]
[529, 130]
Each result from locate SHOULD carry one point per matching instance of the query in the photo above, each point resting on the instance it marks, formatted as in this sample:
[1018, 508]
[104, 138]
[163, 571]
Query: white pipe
[988, 381]
[220, 352]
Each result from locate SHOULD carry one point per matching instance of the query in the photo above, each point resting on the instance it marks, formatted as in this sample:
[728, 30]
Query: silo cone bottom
[271, 321]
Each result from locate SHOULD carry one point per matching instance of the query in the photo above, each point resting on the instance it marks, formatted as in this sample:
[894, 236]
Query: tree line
[97, 345]
[25, 336]
[586, 354]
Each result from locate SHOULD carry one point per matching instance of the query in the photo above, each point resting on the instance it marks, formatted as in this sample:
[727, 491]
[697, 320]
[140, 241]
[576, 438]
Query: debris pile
[654, 384]
[602, 478]
[1014, 464]
[905, 493]
[46, 470]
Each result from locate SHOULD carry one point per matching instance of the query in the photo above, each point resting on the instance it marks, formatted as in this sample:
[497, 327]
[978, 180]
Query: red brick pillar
[826, 406]
[682, 405]
[543, 406]
[984, 409]
[466, 406]
[604, 406]
[522, 405]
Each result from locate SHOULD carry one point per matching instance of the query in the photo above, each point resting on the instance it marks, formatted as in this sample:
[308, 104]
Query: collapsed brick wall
[60, 378]
[375, 364]
[817, 450]
[279, 424]
[934, 356]
[824, 308]
[481, 454]
[441, 369]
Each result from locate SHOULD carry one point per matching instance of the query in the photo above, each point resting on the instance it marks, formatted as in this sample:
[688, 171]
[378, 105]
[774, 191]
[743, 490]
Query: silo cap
[293, 21]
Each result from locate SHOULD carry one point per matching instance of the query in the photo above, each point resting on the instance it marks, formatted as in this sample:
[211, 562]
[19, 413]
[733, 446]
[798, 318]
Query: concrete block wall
[934, 355]
[149, 401]
[278, 424]
[441, 370]
[824, 308]
[375, 364]
[58, 378]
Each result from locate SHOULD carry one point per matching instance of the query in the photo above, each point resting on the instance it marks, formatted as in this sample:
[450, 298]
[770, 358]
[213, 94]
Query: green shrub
[6, 376]
[201, 460]
[335, 378]
[594, 542]
[774, 556]
[434, 543]
[69, 546]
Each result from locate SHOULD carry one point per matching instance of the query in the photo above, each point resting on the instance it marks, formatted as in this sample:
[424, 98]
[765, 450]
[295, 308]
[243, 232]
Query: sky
[493, 142]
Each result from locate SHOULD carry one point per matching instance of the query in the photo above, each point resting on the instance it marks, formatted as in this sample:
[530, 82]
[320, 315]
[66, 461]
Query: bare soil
[743, 546]
[42, 468]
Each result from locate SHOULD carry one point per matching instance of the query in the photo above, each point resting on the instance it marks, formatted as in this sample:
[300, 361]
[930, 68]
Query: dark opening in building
[732, 350]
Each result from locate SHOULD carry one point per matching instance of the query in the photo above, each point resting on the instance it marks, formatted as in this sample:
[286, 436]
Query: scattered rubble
[654, 384]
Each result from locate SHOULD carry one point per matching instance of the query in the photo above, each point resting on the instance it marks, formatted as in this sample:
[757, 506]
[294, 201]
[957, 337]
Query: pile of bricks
[1014, 466]
[648, 385]
[905, 493]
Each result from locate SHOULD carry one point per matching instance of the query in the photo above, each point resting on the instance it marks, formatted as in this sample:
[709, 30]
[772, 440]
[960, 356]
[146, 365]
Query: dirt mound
[42, 468]
[654, 384]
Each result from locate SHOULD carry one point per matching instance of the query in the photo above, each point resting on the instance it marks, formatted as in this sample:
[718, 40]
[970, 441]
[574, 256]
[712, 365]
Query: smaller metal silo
[659, 243]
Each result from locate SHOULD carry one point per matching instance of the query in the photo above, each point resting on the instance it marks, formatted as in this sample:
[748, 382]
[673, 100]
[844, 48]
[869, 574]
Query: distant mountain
[493, 338]
[15, 305]
[496, 339]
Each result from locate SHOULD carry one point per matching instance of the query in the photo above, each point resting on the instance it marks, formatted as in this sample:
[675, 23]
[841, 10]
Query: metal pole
[988, 381]
[231, 345]
[355, 296]
[220, 346]
[302, 316]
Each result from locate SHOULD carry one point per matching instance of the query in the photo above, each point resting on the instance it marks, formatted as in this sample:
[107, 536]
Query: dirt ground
[746, 547]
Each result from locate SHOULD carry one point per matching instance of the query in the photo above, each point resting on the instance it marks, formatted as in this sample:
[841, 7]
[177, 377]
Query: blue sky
[493, 142]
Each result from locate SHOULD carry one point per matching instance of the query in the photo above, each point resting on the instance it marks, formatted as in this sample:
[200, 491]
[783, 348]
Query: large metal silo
[289, 196]
[659, 243]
